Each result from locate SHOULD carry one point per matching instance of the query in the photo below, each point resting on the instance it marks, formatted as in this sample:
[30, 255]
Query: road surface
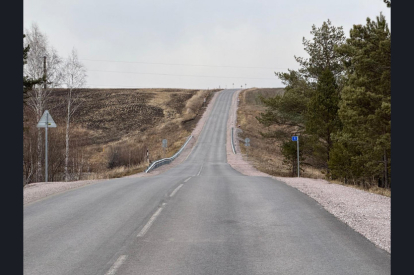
[200, 217]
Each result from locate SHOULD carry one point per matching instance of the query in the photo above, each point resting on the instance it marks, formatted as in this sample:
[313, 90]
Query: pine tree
[365, 107]
[291, 108]
[322, 114]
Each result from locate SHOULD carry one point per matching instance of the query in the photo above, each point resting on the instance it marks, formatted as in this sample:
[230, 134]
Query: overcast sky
[189, 43]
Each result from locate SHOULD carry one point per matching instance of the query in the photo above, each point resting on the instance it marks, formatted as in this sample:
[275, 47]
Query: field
[112, 129]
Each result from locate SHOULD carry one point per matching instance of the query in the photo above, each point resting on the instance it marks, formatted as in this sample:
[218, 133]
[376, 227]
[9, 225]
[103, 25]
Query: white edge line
[175, 190]
[187, 179]
[121, 259]
[149, 223]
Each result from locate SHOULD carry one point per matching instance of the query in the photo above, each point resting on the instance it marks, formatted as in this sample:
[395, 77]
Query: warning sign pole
[46, 165]
[46, 121]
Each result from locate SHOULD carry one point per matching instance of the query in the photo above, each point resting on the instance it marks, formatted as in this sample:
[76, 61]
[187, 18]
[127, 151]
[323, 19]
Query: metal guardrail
[160, 162]
[232, 143]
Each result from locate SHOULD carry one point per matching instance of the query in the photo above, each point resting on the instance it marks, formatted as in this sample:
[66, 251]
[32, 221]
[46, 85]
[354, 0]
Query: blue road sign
[295, 138]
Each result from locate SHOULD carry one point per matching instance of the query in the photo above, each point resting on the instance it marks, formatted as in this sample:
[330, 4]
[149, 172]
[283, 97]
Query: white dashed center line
[187, 179]
[149, 223]
[121, 259]
[175, 190]
[200, 170]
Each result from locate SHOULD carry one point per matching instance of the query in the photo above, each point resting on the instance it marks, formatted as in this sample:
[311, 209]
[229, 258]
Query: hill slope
[113, 128]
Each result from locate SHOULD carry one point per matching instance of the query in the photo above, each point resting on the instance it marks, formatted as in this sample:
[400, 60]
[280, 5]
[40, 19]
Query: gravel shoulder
[368, 214]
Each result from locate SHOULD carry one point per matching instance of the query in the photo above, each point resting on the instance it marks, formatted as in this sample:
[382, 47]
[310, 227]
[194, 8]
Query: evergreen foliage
[321, 52]
[365, 108]
[292, 108]
[322, 114]
[339, 103]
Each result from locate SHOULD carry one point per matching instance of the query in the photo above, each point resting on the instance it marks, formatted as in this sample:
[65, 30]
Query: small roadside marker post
[164, 145]
[296, 138]
[247, 144]
[46, 121]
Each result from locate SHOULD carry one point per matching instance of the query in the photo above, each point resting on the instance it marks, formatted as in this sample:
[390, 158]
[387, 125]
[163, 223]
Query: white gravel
[367, 213]
[39, 190]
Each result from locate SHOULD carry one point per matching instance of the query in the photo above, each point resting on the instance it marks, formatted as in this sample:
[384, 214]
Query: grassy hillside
[112, 129]
[264, 154]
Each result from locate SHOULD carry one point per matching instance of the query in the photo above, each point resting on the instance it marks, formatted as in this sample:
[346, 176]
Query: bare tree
[41, 55]
[73, 77]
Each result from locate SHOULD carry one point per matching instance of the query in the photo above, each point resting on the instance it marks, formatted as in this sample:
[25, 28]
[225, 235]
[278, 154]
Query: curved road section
[200, 217]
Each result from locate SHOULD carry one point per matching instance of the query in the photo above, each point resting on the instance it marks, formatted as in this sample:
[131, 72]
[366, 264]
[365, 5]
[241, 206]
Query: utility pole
[44, 72]
[46, 162]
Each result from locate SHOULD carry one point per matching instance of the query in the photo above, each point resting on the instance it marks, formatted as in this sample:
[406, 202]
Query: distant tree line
[339, 103]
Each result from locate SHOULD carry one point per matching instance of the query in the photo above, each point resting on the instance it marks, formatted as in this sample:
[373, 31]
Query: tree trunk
[67, 139]
[385, 170]
[80, 167]
[39, 156]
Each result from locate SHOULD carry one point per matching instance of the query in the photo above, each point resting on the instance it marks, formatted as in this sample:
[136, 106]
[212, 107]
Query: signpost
[296, 138]
[46, 121]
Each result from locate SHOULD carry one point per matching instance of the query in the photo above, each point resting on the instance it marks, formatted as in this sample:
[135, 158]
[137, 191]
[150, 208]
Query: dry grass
[264, 154]
[372, 189]
[133, 119]
[117, 172]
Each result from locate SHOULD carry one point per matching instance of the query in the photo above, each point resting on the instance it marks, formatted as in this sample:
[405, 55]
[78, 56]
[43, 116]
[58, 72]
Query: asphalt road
[200, 217]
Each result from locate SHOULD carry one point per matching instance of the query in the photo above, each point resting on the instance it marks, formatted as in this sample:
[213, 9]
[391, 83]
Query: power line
[97, 86]
[191, 65]
[181, 75]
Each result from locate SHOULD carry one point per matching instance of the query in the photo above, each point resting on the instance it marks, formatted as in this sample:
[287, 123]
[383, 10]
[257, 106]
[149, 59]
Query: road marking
[149, 223]
[187, 179]
[200, 170]
[121, 259]
[175, 190]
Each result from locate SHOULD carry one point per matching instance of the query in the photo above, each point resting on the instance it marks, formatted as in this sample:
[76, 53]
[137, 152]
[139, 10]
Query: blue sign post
[296, 138]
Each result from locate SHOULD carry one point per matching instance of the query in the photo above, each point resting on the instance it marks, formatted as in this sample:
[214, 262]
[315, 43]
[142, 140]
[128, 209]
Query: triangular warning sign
[46, 120]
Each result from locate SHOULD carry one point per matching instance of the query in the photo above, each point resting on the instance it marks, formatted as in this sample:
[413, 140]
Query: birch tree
[73, 77]
[39, 54]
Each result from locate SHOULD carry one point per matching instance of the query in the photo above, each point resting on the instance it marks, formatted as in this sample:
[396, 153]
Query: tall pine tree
[322, 114]
[292, 108]
[365, 109]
